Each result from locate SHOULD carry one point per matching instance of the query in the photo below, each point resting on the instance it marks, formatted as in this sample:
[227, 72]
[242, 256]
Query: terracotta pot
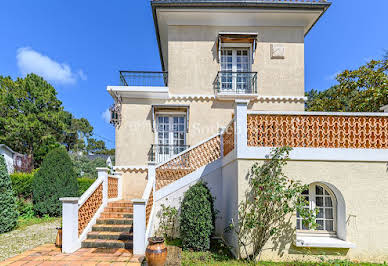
[156, 252]
[58, 240]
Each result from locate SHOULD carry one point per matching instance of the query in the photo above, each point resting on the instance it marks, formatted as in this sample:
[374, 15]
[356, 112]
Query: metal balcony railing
[160, 152]
[228, 82]
[144, 78]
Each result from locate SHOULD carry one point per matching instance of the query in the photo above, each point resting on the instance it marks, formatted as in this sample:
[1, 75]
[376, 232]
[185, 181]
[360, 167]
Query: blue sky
[80, 46]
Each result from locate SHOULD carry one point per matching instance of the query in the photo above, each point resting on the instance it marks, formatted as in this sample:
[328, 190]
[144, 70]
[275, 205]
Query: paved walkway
[48, 254]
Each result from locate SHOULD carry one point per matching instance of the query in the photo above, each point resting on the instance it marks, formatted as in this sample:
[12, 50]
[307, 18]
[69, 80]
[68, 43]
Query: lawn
[219, 254]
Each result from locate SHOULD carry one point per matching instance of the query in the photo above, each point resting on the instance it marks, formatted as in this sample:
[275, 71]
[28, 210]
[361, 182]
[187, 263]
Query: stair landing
[113, 229]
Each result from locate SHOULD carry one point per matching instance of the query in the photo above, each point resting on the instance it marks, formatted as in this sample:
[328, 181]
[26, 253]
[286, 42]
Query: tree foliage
[197, 218]
[8, 205]
[56, 178]
[361, 90]
[33, 120]
[271, 198]
[85, 167]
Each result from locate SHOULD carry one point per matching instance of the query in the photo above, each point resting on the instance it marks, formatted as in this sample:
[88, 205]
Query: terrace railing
[162, 152]
[228, 82]
[144, 78]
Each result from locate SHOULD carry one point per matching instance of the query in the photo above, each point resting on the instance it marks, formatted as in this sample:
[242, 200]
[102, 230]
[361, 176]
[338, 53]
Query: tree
[197, 218]
[8, 209]
[362, 90]
[269, 200]
[33, 120]
[85, 167]
[96, 146]
[56, 178]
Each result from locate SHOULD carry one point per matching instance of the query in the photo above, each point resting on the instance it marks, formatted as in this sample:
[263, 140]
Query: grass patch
[219, 254]
[23, 222]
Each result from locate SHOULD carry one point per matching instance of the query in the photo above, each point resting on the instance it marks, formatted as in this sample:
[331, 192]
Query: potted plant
[156, 252]
[58, 240]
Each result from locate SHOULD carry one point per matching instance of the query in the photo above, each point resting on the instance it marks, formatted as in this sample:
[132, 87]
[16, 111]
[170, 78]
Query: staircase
[113, 229]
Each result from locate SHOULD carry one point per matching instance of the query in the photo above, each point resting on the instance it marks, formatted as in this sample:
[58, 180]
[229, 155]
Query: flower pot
[156, 252]
[58, 240]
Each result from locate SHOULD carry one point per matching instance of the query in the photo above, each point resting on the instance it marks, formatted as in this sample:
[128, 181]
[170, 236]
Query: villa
[232, 88]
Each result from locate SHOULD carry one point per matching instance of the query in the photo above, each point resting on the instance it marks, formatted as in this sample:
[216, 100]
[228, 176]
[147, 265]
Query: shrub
[25, 209]
[83, 184]
[22, 184]
[8, 212]
[56, 178]
[197, 218]
[168, 219]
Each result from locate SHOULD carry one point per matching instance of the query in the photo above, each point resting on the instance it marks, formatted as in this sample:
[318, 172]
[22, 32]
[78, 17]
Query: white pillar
[102, 172]
[240, 136]
[70, 240]
[139, 226]
[152, 174]
[120, 185]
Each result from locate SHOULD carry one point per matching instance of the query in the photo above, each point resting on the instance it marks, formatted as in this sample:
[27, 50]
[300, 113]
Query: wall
[193, 65]
[8, 156]
[363, 186]
[211, 174]
[134, 183]
[134, 137]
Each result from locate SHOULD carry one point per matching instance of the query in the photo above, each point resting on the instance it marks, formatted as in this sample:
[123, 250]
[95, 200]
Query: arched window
[321, 198]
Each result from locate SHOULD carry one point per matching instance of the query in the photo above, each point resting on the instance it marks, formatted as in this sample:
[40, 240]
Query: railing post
[120, 186]
[139, 226]
[240, 136]
[221, 131]
[70, 240]
[103, 173]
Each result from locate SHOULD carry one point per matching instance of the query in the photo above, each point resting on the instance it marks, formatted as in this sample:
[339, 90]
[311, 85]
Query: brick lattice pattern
[113, 187]
[188, 162]
[89, 208]
[228, 139]
[318, 131]
[150, 203]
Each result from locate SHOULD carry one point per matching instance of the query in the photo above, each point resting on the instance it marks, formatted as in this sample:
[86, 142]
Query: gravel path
[17, 241]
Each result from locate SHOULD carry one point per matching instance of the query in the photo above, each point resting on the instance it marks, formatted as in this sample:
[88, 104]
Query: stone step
[112, 228]
[118, 209]
[116, 215]
[103, 243]
[120, 204]
[110, 235]
[114, 221]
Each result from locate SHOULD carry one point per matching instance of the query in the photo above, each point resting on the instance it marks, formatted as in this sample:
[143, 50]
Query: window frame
[171, 116]
[312, 206]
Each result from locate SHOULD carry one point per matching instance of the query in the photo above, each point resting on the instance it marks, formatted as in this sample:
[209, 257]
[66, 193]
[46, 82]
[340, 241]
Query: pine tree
[8, 207]
[56, 178]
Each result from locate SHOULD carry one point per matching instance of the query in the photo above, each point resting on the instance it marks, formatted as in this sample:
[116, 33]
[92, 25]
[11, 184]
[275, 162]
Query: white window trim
[317, 240]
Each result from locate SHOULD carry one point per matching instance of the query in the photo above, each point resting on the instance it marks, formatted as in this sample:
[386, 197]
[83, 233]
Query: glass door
[234, 67]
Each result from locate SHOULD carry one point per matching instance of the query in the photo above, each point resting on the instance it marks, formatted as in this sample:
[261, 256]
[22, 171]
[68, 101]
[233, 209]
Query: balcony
[144, 78]
[228, 84]
[162, 152]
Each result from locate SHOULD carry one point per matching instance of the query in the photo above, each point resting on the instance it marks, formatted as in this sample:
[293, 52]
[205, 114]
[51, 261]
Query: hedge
[8, 206]
[22, 184]
[55, 179]
[197, 218]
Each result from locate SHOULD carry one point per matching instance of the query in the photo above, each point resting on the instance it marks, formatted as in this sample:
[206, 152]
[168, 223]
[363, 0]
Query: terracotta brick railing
[80, 214]
[318, 131]
[87, 210]
[188, 161]
[228, 138]
[113, 187]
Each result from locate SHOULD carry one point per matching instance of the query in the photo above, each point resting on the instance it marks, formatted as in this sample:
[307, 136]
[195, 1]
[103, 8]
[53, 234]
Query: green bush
[8, 211]
[197, 218]
[22, 184]
[25, 209]
[56, 178]
[83, 184]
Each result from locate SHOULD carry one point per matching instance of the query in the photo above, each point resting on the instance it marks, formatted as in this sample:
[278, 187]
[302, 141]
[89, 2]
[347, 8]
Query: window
[235, 68]
[171, 136]
[320, 198]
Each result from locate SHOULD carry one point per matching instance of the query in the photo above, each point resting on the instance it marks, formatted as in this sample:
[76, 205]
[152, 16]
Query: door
[171, 136]
[235, 66]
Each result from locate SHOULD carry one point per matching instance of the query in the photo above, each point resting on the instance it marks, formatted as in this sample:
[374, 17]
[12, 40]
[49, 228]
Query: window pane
[318, 190]
[320, 213]
[306, 192]
[328, 202]
[329, 213]
[304, 226]
[320, 224]
[329, 225]
[298, 224]
[319, 201]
